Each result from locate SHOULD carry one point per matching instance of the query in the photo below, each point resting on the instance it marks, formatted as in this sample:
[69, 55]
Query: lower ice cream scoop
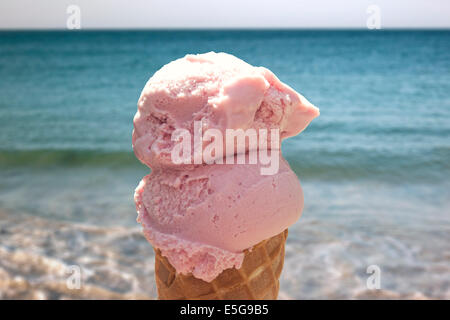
[203, 219]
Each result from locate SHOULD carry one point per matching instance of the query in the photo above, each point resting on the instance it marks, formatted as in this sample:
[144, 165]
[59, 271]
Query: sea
[374, 167]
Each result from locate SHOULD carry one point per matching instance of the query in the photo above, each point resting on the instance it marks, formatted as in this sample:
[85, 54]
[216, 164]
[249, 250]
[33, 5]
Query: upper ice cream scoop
[221, 91]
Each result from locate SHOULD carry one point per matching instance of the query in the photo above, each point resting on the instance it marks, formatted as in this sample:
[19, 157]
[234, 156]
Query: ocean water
[375, 166]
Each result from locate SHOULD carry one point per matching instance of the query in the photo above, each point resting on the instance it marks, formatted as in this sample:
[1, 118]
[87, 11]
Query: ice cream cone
[257, 279]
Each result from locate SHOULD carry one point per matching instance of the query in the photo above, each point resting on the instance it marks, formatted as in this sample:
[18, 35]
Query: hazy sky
[224, 14]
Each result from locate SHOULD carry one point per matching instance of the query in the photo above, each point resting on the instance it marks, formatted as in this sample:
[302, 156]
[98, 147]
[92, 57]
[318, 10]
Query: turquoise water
[374, 166]
[384, 96]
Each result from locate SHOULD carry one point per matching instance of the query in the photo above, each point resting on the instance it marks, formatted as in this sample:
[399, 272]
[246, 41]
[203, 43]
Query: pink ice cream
[202, 217]
[222, 91]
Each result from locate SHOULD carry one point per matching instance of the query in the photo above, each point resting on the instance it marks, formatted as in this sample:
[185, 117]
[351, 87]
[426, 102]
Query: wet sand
[37, 254]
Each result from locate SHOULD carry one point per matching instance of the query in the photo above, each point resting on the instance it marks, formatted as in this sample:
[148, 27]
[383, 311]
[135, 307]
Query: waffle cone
[257, 279]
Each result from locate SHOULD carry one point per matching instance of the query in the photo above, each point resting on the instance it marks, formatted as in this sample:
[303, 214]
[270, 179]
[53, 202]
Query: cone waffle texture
[257, 279]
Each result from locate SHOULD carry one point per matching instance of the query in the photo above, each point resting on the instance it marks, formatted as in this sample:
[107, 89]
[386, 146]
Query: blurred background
[375, 166]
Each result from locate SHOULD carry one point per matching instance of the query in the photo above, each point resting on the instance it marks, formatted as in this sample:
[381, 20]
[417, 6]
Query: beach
[37, 259]
[38, 255]
[374, 166]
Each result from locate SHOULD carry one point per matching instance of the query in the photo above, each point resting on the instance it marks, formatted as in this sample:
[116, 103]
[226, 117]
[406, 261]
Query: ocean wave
[350, 164]
[67, 158]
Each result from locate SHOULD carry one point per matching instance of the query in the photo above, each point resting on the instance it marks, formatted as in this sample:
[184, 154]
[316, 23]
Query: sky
[101, 14]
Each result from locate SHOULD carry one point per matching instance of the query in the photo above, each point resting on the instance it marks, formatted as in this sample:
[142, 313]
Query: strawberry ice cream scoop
[203, 219]
[221, 91]
[202, 216]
